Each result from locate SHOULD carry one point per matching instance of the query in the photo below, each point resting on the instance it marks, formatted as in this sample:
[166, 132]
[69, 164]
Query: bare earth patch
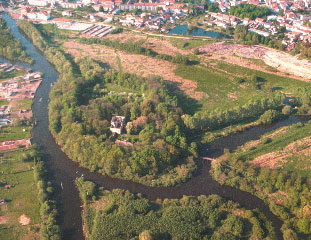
[24, 220]
[3, 220]
[100, 204]
[273, 159]
[238, 54]
[136, 64]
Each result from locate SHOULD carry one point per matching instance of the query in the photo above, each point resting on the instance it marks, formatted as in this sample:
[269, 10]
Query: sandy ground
[274, 159]
[24, 220]
[283, 62]
[136, 64]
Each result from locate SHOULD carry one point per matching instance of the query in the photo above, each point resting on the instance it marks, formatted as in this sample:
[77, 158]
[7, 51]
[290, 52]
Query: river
[63, 170]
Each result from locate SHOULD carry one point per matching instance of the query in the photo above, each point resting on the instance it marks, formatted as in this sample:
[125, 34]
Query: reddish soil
[273, 159]
[13, 144]
[3, 220]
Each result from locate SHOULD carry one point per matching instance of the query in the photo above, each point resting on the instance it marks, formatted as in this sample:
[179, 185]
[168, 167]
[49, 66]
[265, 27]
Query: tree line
[250, 11]
[10, 48]
[211, 120]
[242, 35]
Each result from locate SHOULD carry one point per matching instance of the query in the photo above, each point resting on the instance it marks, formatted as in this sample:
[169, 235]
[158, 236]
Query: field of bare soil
[283, 62]
[133, 63]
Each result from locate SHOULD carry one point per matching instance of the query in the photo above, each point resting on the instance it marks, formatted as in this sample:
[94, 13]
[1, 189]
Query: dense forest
[153, 148]
[10, 48]
[250, 11]
[122, 215]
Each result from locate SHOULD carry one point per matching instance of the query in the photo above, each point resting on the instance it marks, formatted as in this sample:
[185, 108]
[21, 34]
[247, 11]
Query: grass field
[190, 43]
[21, 199]
[14, 133]
[229, 85]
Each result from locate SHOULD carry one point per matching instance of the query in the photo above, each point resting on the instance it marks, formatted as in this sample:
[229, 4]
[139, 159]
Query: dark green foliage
[269, 117]
[49, 228]
[129, 216]
[242, 35]
[116, 30]
[11, 48]
[249, 11]
[82, 106]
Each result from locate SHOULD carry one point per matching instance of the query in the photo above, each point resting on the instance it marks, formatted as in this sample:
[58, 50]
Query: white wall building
[40, 3]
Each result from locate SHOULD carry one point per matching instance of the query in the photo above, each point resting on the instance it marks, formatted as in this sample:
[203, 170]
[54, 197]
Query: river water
[63, 170]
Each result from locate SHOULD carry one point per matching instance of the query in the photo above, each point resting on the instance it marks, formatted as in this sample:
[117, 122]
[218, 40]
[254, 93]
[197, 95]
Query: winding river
[63, 170]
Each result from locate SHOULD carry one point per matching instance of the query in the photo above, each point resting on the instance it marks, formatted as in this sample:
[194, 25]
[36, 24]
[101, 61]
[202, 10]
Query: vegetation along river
[64, 171]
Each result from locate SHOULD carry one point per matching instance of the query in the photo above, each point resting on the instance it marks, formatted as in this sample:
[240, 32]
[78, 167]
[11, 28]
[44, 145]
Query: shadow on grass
[188, 105]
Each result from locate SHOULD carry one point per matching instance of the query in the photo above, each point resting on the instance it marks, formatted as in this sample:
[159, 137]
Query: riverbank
[65, 171]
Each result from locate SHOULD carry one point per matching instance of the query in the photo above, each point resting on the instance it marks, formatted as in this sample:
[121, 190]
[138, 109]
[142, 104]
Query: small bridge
[208, 159]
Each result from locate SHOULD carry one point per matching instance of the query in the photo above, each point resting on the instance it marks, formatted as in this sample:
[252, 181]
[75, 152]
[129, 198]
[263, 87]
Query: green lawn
[21, 199]
[14, 133]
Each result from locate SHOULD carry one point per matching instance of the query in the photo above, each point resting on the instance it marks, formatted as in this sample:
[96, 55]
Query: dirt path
[136, 64]
[240, 54]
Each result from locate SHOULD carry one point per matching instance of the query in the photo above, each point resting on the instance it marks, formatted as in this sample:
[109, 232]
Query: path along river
[64, 171]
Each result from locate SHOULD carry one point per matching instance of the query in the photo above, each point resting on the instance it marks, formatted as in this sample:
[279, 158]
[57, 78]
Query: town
[16, 96]
[285, 20]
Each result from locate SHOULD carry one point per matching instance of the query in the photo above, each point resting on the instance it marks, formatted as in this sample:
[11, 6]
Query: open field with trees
[276, 169]
[26, 212]
[120, 214]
